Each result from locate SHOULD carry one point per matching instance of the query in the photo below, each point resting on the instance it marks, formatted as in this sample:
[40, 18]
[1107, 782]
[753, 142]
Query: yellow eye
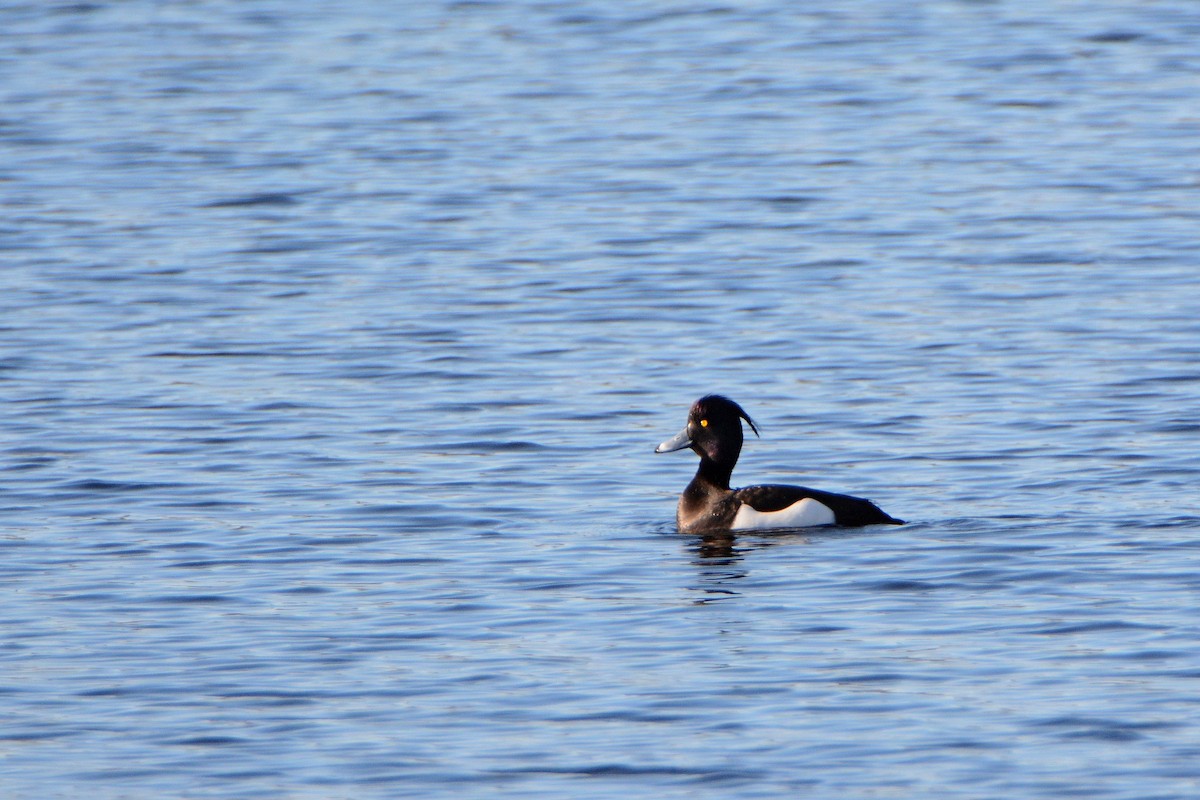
[703, 423]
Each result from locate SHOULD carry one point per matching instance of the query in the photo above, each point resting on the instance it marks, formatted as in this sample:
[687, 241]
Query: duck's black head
[714, 430]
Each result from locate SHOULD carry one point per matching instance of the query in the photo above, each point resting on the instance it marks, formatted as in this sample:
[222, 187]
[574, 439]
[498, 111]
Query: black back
[847, 510]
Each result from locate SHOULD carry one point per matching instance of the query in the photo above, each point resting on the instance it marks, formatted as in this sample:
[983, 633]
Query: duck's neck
[713, 473]
[700, 504]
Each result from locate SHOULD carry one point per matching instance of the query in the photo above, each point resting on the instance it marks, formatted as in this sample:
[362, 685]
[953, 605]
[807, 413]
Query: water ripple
[337, 345]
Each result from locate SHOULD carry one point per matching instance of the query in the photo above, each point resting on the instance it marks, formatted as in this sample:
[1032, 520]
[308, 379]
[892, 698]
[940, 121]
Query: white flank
[803, 514]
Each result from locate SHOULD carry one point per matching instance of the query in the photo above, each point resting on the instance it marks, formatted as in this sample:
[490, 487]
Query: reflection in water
[719, 556]
[719, 563]
[719, 559]
[729, 545]
[717, 545]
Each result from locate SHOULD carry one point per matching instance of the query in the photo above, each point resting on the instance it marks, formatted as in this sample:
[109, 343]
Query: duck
[714, 432]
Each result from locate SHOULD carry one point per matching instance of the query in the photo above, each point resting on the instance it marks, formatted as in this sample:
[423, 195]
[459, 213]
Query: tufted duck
[714, 432]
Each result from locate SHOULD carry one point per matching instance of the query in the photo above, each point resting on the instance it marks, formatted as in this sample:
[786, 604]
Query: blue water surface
[336, 338]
